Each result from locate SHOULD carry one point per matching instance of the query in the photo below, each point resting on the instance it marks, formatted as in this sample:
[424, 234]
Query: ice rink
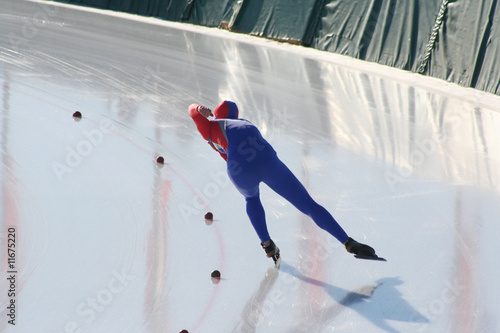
[107, 240]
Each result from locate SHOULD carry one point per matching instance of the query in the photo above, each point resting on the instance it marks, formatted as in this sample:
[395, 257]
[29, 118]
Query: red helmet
[226, 110]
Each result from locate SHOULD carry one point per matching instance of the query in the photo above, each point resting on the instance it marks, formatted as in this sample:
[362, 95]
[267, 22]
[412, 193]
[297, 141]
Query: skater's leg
[247, 184]
[257, 217]
[281, 180]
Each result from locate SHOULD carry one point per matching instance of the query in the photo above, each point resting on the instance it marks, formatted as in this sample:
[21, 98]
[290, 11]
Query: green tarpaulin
[458, 40]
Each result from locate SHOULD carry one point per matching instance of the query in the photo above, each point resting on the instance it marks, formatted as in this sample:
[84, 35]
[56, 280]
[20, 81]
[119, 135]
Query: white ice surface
[109, 241]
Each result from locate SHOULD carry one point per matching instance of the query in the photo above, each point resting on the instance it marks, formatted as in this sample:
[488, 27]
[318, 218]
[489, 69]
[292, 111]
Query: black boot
[272, 251]
[357, 248]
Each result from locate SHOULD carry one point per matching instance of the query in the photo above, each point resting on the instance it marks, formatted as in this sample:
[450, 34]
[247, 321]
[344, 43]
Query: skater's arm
[224, 156]
[199, 114]
[202, 123]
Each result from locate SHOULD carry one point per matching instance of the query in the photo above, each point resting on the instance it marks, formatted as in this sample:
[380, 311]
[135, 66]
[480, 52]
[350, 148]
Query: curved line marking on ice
[218, 234]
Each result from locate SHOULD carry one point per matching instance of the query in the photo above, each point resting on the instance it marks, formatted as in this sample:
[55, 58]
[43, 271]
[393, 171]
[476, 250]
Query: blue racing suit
[252, 160]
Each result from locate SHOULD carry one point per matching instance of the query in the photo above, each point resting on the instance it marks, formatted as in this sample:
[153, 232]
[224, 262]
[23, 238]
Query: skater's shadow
[364, 301]
[256, 306]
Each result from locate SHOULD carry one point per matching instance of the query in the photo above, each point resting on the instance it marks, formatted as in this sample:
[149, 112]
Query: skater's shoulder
[241, 121]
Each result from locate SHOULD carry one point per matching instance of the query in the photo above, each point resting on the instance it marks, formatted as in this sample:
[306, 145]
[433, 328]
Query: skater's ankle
[266, 243]
[349, 240]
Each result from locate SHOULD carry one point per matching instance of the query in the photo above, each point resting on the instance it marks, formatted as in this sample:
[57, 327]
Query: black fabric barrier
[210, 13]
[468, 48]
[392, 33]
[455, 40]
[277, 19]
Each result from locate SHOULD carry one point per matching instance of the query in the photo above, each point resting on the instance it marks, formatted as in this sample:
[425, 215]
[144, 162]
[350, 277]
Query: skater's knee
[320, 215]
[253, 198]
[307, 206]
[249, 192]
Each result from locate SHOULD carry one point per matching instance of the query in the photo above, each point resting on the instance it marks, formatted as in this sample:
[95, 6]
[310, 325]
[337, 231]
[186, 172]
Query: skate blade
[277, 263]
[367, 257]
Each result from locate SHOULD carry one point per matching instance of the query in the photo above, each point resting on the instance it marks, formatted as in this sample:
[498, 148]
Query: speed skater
[252, 160]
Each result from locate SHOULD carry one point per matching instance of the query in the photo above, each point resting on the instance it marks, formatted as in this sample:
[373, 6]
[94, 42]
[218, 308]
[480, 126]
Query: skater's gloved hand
[205, 112]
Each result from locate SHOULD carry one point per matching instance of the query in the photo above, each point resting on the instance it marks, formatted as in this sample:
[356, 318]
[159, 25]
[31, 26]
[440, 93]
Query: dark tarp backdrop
[457, 41]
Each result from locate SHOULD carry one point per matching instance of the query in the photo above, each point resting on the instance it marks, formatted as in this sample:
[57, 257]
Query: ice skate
[361, 251]
[272, 251]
